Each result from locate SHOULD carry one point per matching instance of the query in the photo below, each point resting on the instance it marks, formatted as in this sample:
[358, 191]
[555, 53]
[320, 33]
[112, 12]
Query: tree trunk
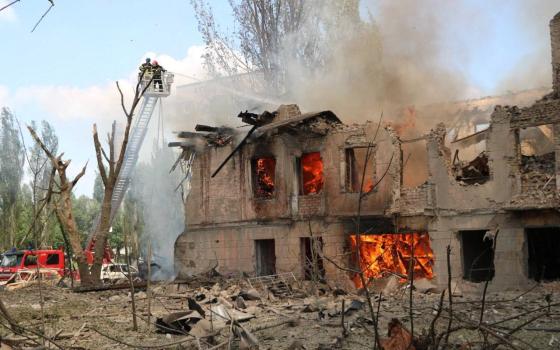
[66, 217]
[102, 234]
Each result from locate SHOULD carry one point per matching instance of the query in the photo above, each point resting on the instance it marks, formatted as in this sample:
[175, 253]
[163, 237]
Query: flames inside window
[264, 170]
[312, 180]
[355, 161]
[385, 254]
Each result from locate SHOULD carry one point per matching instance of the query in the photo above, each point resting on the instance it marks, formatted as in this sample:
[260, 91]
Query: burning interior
[311, 173]
[398, 254]
[264, 174]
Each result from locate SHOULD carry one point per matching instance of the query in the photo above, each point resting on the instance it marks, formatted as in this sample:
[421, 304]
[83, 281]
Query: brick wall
[538, 114]
[310, 205]
[232, 248]
[413, 200]
[555, 43]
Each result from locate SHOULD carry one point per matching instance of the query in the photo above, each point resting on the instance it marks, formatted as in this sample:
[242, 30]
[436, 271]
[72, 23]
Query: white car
[116, 272]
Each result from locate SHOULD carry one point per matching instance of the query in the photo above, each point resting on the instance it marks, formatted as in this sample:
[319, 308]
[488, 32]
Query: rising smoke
[392, 59]
[405, 54]
[162, 208]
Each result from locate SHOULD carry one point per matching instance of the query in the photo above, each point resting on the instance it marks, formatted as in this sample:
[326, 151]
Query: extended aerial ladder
[137, 134]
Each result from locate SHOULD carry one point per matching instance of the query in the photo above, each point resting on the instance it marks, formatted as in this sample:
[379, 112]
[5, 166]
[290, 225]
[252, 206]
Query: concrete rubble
[199, 315]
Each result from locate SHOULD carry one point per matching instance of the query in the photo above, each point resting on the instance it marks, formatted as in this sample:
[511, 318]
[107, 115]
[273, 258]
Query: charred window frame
[310, 173]
[263, 170]
[354, 159]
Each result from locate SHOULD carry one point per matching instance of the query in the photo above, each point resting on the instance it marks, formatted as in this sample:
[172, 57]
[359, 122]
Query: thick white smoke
[162, 208]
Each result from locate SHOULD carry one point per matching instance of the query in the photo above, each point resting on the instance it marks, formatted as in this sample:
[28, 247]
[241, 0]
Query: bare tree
[262, 27]
[109, 165]
[282, 42]
[63, 204]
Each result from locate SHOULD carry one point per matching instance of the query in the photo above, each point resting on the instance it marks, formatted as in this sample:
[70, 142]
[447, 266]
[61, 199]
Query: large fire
[265, 169]
[382, 254]
[312, 173]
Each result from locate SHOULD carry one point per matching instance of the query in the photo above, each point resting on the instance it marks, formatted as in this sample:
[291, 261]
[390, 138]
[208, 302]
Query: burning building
[295, 179]
[262, 204]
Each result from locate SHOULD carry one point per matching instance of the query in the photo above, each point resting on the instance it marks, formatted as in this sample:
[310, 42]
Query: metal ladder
[135, 140]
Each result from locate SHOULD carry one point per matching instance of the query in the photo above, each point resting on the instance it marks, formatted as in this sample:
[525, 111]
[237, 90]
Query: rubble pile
[543, 164]
[476, 171]
[538, 182]
[232, 313]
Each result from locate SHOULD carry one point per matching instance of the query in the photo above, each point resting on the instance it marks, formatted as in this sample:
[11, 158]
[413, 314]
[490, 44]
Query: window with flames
[311, 177]
[382, 255]
[264, 170]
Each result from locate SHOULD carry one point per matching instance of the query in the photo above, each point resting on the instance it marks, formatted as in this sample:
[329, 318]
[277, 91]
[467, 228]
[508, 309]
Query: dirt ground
[303, 320]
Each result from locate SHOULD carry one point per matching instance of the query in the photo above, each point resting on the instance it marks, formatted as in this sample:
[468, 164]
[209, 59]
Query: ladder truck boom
[137, 134]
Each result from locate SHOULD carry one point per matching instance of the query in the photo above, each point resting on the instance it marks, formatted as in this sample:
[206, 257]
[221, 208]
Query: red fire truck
[28, 259]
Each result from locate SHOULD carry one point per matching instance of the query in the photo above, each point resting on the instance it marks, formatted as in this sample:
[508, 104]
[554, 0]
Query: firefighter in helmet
[145, 68]
[158, 71]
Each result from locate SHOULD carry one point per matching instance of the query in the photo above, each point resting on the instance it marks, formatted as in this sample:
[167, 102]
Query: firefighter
[158, 70]
[145, 68]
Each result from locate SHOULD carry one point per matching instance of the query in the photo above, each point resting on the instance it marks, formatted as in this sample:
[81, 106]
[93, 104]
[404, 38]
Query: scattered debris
[399, 337]
[178, 322]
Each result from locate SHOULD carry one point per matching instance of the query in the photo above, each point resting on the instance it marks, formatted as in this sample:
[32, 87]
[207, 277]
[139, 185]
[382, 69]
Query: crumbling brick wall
[415, 200]
[555, 44]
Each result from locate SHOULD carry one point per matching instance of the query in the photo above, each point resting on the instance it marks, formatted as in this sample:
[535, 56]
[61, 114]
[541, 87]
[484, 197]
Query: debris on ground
[234, 311]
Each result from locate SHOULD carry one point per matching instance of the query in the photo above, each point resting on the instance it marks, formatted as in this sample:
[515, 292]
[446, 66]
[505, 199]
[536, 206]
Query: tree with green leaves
[40, 168]
[11, 174]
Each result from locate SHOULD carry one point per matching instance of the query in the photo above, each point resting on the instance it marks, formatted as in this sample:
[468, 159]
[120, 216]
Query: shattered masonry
[296, 176]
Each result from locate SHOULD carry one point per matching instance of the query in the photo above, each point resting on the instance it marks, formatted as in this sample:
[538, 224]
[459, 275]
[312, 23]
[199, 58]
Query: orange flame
[368, 186]
[265, 169]
[406, 126]
[312, 172]
[391, 252]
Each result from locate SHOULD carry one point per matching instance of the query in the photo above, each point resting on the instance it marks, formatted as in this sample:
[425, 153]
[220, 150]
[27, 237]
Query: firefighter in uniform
[158, 70]
[145, 68]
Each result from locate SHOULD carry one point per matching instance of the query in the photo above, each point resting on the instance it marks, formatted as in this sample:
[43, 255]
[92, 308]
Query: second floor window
[311, 173]
[355, 162]
[264, 170]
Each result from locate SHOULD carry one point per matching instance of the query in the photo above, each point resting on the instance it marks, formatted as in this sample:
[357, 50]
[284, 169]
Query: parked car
[29, 259]
[111, 273]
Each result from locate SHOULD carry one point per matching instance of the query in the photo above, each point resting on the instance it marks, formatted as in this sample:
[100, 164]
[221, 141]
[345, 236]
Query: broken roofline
[265, 122]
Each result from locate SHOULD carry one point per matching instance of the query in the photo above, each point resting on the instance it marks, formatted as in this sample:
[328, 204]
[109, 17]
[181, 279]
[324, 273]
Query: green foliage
[98, 188]
[11, 173]
[86, 210]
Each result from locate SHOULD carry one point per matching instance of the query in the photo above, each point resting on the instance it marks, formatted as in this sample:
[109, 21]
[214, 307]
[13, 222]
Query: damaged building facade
[265, 204]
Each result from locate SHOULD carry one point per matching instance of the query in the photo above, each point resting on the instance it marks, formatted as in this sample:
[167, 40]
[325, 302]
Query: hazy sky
[64, 72]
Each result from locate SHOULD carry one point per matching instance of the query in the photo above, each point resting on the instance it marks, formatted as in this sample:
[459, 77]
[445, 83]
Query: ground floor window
[544, 253]
[477, 255]
[393, 254]
[312, 262]
[265, 257]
